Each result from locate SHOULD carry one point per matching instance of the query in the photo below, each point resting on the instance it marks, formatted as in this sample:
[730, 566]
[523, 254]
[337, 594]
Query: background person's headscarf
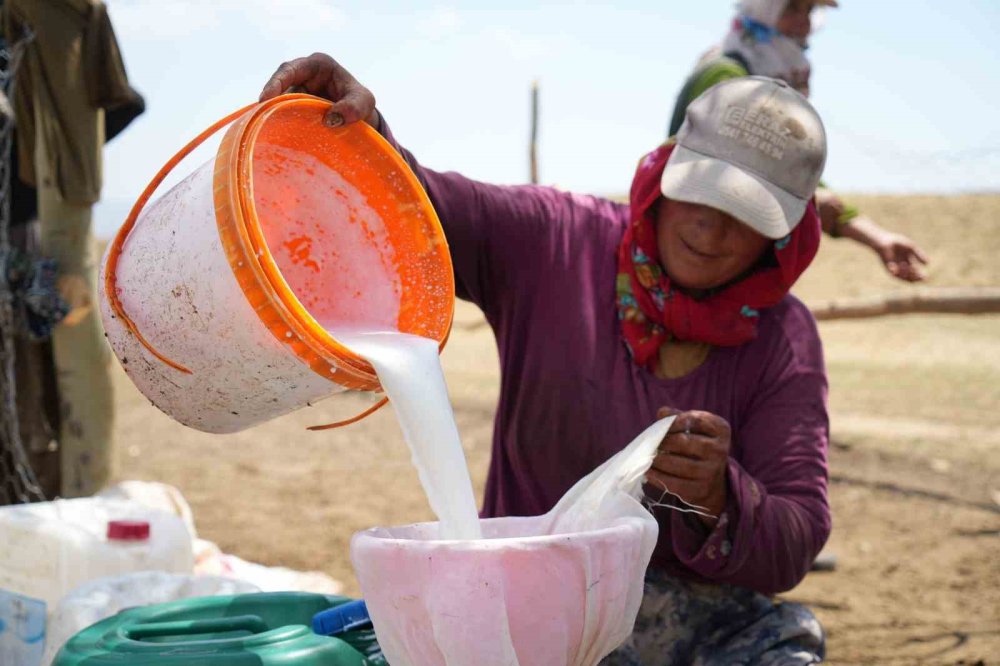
[766, 12]
[767, 52]
[653, 311]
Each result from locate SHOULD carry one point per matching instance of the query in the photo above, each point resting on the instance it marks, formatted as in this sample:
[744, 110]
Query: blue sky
[909, 91]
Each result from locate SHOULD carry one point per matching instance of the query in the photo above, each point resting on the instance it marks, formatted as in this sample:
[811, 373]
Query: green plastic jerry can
[265, 629]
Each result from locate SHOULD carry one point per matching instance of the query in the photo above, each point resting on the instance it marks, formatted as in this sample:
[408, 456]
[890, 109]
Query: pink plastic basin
[511, 598]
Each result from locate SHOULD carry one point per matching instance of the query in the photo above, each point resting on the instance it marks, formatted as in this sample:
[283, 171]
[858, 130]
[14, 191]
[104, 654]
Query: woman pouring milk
[608, 316]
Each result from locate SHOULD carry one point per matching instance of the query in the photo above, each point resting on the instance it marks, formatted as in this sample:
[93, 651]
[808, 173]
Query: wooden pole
[533, 149]
[941, 300]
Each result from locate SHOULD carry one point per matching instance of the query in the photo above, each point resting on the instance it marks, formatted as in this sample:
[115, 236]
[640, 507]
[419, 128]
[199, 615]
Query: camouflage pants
[689, 623]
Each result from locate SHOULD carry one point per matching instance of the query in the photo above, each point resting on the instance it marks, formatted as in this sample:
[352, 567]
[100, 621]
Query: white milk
[409, 370]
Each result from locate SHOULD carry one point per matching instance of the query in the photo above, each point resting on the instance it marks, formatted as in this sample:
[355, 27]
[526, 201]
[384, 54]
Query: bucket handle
[354, 419]
[114, 253]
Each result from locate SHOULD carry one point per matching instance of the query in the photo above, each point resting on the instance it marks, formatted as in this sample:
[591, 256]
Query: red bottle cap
[128, 530]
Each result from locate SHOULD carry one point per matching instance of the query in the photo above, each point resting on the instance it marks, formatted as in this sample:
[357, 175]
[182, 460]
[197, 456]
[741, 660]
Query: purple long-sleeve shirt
[541, 264]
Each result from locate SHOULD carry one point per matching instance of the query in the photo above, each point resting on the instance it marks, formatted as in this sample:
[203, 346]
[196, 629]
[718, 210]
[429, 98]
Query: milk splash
[409, 370]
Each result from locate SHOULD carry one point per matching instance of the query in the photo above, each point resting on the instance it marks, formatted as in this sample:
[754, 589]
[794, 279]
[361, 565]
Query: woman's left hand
[693, 461]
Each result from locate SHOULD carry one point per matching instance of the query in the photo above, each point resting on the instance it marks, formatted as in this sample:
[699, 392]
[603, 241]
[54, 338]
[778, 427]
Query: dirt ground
[915, 410]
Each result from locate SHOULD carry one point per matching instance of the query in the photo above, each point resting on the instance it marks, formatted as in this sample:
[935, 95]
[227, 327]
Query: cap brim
[695, 178]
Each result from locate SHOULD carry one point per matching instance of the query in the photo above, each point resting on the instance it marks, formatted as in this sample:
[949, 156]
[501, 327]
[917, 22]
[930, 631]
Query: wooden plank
[941, 300]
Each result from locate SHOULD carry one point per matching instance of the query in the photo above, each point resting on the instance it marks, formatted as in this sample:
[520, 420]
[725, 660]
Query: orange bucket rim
[319, 341]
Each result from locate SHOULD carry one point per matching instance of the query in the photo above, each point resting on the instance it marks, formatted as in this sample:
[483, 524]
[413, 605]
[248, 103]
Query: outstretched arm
[900, 255]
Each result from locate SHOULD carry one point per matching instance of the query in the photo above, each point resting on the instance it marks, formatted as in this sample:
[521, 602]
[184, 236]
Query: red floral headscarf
[653, 311]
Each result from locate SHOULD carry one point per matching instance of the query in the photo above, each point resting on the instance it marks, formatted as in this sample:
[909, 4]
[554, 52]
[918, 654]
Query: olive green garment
[72, 68]
[80, 352]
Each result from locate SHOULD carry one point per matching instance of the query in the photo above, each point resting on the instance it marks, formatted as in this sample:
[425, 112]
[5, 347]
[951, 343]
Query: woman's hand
[901, 256]
[693, 460]
[321, 75]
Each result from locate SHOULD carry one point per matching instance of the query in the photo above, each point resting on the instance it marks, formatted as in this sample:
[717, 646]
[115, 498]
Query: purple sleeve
[777, 517]
[490, 230]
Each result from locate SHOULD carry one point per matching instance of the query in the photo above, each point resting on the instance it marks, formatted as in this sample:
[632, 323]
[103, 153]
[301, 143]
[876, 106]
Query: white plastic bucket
[214, 293]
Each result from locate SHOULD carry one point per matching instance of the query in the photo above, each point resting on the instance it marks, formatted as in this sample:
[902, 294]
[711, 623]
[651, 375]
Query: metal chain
[18, 483]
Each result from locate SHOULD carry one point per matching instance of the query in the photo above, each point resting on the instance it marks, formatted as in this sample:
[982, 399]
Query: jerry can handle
[249, 623]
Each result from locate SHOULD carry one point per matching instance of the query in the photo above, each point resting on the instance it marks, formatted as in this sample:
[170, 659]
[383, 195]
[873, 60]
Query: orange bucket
[224, 289]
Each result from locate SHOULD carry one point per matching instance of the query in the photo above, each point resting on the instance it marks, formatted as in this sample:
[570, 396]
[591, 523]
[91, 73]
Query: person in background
[609, 315]
[769, 38]
[72, 94]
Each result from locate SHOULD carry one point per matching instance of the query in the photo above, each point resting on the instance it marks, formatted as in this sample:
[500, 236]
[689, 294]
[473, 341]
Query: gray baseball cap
[752, 147]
